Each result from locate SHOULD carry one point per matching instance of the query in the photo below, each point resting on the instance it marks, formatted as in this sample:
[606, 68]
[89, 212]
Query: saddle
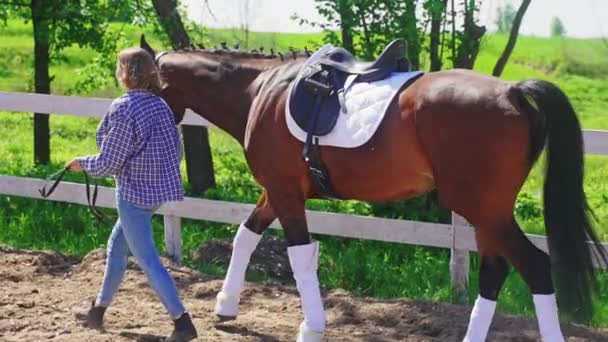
[317, 97]
[392, 58]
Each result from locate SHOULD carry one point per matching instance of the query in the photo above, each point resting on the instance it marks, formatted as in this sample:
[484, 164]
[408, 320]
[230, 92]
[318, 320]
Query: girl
[140, 146]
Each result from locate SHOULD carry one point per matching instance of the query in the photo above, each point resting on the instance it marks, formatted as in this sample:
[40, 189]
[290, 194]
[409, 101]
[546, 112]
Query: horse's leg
[492, 274]
[247, 238]
[303, 258]
[534, 266]
[497, 244]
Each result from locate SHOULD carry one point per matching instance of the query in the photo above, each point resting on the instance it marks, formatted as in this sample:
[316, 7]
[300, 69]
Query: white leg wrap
[307, 335]
[481, 318]
[243, 245]
[548, 320]
[304, 261]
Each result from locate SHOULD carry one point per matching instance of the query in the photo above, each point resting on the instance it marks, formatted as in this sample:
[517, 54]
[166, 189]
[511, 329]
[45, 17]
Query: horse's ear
[144, 45]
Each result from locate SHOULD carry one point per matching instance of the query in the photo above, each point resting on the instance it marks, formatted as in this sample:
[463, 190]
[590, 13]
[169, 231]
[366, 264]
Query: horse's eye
[212, 68]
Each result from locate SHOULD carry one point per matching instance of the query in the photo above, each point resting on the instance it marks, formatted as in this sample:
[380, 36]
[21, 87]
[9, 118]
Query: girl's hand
[74, 165]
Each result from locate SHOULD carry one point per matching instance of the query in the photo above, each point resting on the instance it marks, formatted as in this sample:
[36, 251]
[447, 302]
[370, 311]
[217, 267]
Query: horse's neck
[227, 104]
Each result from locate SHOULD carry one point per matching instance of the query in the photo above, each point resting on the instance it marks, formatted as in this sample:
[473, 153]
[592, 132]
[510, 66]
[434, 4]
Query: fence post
[173, 237]
[459, 264]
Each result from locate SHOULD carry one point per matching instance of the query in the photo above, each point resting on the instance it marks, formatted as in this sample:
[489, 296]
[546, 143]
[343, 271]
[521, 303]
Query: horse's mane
[225, 51]
[228, 60]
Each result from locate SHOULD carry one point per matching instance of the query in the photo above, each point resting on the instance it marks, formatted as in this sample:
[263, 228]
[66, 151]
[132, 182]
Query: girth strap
[310, 152]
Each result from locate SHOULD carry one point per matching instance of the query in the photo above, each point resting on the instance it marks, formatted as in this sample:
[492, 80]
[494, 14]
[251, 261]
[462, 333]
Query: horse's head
[170, 91]
[188, 79]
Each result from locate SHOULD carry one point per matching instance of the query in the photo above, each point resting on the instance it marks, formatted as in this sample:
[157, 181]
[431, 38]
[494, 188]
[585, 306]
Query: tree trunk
[502, 61]
[346, 18]
[469, 46]
[412, 34]
[453, 42]
[199, 163]
[436, 21]
[369, 48]
[42, 81]
[172, 23]
[444, 31]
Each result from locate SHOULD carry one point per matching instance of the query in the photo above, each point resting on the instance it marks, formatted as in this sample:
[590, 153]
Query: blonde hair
[136, 69]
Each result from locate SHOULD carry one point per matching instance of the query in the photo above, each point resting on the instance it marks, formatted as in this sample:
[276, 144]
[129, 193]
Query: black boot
[183, 330]
[95, 317]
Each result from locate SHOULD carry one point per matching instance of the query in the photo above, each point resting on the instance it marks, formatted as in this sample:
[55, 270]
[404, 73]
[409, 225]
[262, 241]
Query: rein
[100, 216]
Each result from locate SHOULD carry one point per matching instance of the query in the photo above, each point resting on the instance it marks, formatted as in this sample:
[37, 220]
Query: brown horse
[473, 138]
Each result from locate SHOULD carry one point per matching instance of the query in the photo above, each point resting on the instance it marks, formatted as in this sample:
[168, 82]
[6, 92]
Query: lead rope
[100, 216]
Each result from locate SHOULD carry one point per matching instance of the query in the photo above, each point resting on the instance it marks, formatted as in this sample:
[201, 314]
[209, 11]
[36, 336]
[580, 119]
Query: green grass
[366, 268]
[560, 61]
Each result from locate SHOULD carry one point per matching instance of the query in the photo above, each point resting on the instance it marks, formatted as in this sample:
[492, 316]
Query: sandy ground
[43, 295]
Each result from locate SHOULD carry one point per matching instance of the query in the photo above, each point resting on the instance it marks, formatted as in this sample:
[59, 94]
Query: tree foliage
[366, 26]
[557, 27]
[84, 23]
[504, 18]
[56, 25]
[70, 22]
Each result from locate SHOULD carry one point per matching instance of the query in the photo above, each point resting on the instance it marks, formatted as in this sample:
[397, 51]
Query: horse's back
[461, 89]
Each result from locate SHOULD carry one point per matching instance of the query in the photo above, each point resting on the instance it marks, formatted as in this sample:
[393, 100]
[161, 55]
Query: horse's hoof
[307, 335]
[226, 306]
[223, 318]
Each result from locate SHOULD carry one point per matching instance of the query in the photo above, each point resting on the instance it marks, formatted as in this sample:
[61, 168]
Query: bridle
[159, 55]
[100, 216]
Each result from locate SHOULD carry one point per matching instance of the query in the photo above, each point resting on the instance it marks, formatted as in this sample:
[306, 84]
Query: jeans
[133, 231]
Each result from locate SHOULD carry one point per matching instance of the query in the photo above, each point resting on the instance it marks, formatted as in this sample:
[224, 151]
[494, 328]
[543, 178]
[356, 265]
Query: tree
[504, 18]
[246, 10]
[410, 32]
[436, 10]
[57, 25]
[199, 163]
[504, 57]
[171, 22]
[41, 23]
[346, 23]
[470, 37]
[366, 26]
[557, 27]
[338, 13]
[370, 24]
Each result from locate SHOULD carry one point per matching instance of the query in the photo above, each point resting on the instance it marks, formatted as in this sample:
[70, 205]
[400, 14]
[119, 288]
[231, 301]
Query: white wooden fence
[458, 236]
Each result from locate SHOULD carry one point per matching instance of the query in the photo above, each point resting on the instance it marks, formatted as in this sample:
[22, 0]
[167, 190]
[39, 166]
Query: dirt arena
[44, 294]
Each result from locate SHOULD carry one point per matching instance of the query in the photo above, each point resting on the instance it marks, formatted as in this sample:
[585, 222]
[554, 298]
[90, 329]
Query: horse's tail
[568, 218]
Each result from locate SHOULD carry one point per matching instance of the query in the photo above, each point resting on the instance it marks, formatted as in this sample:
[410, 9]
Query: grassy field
[368, 268]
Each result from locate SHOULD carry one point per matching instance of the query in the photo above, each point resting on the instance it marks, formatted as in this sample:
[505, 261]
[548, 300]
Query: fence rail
[92, 107]
[458, 236]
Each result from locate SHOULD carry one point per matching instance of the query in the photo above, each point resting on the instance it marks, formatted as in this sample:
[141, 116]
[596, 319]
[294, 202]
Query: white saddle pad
[366, 105]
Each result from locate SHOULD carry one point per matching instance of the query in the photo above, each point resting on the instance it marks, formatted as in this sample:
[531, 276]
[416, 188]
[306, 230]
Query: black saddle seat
[392, 59]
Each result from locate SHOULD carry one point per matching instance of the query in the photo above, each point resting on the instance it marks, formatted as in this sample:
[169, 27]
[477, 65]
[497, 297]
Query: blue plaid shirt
[140, 146]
